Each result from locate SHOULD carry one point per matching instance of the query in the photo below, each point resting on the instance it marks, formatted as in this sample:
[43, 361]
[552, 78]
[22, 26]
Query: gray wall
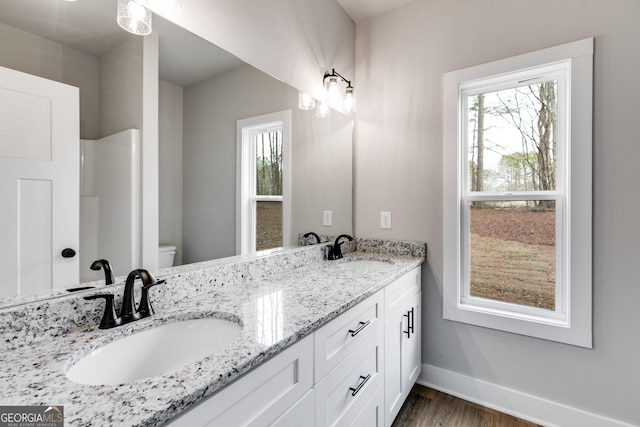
[400, 59]
[29, 53]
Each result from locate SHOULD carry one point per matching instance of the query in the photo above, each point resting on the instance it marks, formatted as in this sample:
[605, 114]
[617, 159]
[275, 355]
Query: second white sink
[154, 351]
[364, 264]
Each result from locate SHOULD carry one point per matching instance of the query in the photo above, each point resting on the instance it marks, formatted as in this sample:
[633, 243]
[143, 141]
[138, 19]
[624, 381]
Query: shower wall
[110, 203]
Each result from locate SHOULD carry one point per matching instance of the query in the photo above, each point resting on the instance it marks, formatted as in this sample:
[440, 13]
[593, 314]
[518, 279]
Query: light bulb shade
[333, 91]
[306, 101]
[350, 100]
[134, 17]
[322, 110]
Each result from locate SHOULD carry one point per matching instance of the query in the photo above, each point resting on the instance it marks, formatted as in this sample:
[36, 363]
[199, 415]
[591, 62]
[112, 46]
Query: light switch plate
[327, 218]
[385, 220]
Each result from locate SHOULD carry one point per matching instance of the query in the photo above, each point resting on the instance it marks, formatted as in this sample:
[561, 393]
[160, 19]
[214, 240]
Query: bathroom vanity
[320, 343]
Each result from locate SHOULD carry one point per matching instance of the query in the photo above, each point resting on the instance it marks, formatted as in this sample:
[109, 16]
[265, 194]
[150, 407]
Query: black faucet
[106, 267]
[128, 312]
[311, 233]
[335, 251]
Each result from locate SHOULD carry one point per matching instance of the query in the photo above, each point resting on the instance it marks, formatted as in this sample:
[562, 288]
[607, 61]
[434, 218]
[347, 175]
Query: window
[263, 152]
[517, 194]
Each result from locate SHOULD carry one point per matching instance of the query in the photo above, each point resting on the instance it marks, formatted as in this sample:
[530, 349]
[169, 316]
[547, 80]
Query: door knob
[68, 253]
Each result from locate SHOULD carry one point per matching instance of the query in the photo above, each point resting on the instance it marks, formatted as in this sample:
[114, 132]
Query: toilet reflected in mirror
[166, 256]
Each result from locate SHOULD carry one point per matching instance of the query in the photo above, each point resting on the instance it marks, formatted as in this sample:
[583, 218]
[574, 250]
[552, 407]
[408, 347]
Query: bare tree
[477, 149]
[532, 111]
[269, 163]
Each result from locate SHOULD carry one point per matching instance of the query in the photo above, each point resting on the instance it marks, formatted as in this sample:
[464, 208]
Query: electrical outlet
[385, 220]
[327, 218]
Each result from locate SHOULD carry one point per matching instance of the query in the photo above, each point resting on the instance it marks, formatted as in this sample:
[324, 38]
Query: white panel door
[39, 183]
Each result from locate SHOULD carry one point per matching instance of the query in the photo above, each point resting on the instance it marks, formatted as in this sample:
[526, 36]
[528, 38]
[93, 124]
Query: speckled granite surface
[41, 340]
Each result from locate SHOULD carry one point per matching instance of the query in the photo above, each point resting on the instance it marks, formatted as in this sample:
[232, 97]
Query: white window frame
[246, 129]
[571, 321]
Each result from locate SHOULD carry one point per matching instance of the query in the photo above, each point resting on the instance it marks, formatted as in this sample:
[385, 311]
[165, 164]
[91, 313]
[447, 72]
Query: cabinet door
[402, 355]
[403, 341]
[412, 346]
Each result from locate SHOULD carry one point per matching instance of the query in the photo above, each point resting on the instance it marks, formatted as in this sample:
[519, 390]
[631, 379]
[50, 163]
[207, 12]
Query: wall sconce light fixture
[333, 96]
[134, 17]
[330, 82]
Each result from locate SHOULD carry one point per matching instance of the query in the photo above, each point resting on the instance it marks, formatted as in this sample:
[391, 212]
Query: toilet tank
[166, 256]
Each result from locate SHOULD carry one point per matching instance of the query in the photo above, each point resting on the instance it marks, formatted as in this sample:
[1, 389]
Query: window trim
[245, 198]
[575, 326]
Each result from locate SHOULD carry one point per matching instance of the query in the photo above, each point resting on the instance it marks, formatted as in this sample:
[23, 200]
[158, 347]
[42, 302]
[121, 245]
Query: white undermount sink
[363, 264]
[154, 351]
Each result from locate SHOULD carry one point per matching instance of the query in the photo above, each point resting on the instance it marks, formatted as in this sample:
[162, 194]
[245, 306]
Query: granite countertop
[275, 312]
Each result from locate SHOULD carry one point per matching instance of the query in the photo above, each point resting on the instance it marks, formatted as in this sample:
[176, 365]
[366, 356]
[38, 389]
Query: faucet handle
[109, 319]
[145, 309]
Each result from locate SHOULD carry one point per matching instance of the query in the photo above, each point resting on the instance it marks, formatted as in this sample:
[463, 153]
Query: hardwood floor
[426, 407]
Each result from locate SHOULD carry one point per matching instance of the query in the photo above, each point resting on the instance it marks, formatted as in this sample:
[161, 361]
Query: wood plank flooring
[426, 407]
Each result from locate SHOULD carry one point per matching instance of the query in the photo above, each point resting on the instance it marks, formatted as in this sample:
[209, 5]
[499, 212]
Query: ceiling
[90, 26]
[360, 10]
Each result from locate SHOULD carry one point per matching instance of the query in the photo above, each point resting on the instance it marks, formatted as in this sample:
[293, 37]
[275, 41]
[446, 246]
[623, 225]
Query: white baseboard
[525, 406]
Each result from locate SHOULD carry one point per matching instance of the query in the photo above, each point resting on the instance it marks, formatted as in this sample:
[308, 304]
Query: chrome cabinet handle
[359, 329]
[363, 381]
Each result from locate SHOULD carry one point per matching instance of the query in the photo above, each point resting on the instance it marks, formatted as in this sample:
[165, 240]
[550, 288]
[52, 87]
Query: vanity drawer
[372, 415]
[299, 415]
[338, 338]
[397, 292]
[259, 397]
[347, 390]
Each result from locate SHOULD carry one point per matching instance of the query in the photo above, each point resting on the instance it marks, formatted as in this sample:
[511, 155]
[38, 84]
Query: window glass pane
[268, 225]
[512, 252]
[269, 163]
[512, 139]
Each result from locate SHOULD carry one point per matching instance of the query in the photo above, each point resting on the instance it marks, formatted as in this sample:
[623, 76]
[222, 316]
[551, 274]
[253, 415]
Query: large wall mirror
[198, 95]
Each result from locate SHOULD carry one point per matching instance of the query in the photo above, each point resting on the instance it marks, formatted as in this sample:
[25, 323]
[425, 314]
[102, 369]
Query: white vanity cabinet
[356, 370]
[402, 340]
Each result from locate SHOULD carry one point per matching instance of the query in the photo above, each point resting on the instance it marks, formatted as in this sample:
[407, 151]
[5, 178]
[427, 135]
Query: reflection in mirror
[202, 92]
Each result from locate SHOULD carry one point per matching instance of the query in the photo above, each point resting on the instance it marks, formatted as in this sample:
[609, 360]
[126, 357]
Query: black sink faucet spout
[106, 267]
[128, 312]
[337, 250]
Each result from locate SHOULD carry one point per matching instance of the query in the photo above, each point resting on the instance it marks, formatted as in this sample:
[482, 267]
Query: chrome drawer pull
[355, 391]
[361, 326]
